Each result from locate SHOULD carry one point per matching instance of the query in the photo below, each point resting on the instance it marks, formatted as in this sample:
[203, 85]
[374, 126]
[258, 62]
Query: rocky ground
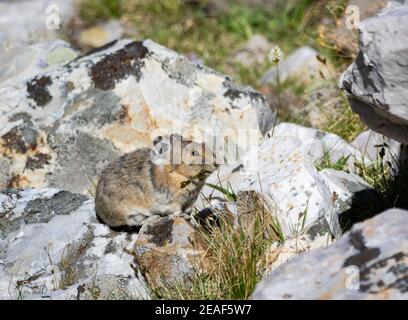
[69, 107]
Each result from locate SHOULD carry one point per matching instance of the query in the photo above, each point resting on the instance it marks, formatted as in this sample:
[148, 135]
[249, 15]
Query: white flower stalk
[275, 55]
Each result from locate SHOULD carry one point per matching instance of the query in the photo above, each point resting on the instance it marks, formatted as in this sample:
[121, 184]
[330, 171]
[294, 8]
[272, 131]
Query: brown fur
[134, 187]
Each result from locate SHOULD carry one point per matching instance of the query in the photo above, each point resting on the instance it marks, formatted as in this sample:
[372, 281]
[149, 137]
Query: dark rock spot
[118, 65]
[37, 90]
[39, 210]
[398, 268]
[38, 161]
[235, 91]
[320, 134]
[43, 210]
[70, 86]
[13, 140]
[238, 168]
[254, 95]
[232, 94]
[123, 115]
[320, 228]
[104, 105]
[161, 231]
[364, 255]
[20, 116]
[361, 259]
[181, 70]
[110, 248]
[20, 138]
[369, 270]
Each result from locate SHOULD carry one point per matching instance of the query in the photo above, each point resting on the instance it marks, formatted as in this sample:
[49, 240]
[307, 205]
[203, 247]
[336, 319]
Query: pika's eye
[194, 153]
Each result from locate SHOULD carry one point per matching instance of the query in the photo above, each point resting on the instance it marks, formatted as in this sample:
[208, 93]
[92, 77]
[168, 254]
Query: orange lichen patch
[123, 116]
[28, 168]
[132, 129]
[384, 294]
[148, 116]
[13, 142]
[125, 138]
[326, 296]
[339, 286]
[17, 181]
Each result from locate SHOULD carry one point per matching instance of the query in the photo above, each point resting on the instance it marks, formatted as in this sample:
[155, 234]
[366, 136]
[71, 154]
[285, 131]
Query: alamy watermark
[353, 278]
[352, 17]
[53, 20]
[207, 146]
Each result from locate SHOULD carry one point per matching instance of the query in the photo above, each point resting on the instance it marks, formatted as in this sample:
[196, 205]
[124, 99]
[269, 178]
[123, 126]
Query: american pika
[163, 180]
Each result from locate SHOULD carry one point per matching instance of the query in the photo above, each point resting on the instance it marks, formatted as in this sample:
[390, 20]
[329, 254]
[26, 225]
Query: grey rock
[4, 172]
[27, 61]
[350, 194]
[318, 235]
[376, 82]
[79, 162]
[169, 250]
[52, 247]
[369, 262]
[81, 115]
[283, 170]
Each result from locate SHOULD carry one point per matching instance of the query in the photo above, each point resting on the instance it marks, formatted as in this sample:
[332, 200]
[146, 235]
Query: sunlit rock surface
[369, 262]
[60, 128]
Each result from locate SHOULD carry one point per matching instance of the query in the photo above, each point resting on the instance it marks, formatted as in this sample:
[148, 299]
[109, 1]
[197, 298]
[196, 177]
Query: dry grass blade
[236, 255]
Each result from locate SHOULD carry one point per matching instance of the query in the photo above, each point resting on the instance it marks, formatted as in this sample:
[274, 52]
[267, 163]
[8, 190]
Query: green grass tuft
[236, 255]
[389, 179]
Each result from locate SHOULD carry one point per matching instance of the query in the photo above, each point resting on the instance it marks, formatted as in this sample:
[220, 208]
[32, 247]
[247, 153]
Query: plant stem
[279, 98]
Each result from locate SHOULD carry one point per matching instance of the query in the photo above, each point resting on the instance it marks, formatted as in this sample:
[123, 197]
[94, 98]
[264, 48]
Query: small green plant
[236, 253]
[233, 268]
[98, 10]
[344, 122]
[326, 163]
[69, 274]
[228, 193]
[389, 178]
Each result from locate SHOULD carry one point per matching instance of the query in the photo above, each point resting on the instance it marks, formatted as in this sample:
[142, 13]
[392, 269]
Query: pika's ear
[161, 146]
